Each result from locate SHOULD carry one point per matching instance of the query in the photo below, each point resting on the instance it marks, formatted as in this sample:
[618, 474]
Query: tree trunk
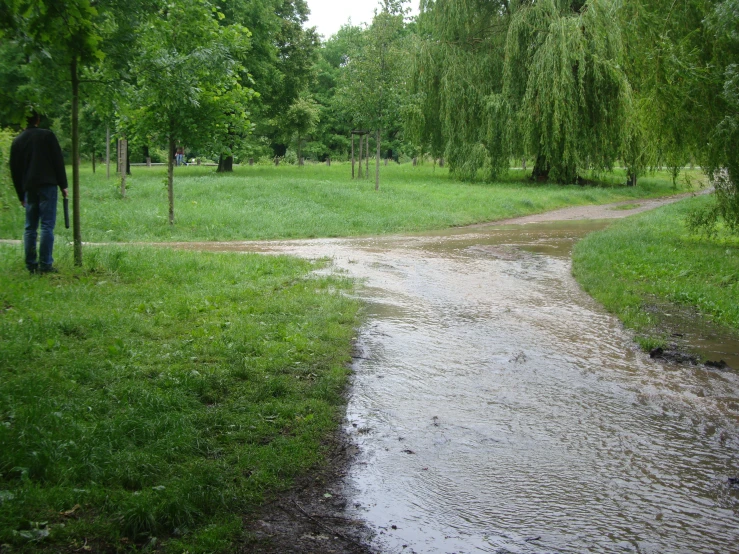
[377, 162]
[77, 230]
[123, 154]
[128, 161]
[170, 179]
[631, 178]
[366, 149]
[541, 169]
[441, 162]
[352, 155]
[93, 161]
[225, 165]
[107, 151]
[300, 151]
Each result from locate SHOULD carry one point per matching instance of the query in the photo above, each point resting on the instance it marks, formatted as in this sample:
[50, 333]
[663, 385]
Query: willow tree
[683, 62]
[566, 93]
[455, 103]
[495, 79]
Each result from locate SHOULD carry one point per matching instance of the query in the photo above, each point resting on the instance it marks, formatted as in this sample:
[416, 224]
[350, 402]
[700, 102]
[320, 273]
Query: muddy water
[498, 408]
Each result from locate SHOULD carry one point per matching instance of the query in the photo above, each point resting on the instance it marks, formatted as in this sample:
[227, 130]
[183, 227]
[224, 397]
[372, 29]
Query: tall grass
[267, 202]
[155, 396]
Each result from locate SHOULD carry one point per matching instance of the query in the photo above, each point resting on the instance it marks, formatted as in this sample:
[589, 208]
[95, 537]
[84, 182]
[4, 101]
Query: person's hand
[64, 193]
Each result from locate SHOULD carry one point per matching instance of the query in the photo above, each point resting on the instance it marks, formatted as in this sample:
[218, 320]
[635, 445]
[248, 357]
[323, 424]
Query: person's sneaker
[48, 270]
[32, 270]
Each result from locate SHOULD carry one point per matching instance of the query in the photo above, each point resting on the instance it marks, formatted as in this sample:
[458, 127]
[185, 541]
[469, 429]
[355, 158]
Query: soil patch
[680, 327]
[311, 517]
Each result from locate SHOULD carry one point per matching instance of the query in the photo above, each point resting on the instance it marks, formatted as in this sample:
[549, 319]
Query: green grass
[652, 258]
[267, 202]
[161, 394]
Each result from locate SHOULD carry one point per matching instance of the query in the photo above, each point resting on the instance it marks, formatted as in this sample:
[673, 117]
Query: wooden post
[377, 162]
[352, 155]
[360, 157]
[76, 226]
[328, 161]
[107, 151]
[170, 173]
[122, 157]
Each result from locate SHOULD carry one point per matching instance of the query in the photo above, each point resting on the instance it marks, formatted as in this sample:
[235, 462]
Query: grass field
[653, 258]
[267, 202]
[155, 397]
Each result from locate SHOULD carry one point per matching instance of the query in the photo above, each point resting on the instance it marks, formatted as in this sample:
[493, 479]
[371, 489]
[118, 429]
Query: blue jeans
[40, 206]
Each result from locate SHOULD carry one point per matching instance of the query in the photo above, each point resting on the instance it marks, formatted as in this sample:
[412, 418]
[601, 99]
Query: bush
[7, 192]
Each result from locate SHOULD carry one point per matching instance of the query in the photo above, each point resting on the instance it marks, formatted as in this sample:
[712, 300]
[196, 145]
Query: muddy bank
[312, 517]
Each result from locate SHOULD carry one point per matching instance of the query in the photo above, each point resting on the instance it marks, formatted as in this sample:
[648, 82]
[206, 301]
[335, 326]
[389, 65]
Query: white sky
[329, 15]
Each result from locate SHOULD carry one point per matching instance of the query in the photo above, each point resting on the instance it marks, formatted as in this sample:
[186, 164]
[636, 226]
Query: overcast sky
[328, 15]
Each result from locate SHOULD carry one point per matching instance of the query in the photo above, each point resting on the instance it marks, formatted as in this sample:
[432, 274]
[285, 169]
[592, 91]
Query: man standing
[37, 168]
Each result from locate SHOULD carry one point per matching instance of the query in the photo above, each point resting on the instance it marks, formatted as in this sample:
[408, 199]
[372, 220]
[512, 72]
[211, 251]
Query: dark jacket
[36, 160]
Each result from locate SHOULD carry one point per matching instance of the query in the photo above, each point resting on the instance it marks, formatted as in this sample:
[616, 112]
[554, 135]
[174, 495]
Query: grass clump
[654, 258]
[267, 202]
[155, 395]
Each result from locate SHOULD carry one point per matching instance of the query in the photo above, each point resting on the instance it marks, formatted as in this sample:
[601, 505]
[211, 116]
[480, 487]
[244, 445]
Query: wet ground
[498, 408]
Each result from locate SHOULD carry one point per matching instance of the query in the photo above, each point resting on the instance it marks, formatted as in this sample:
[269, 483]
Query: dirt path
[615, 210]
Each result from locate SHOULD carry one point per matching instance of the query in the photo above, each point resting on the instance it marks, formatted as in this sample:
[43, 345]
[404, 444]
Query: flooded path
[498, 408]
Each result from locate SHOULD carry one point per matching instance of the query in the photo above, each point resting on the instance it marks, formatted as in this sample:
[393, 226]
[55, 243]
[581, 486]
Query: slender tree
[56, 35]
[189, 79]
[372, 87]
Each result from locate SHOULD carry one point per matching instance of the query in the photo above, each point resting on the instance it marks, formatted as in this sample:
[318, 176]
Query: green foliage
[161, 393]
[682, 61]
[8, 197]
[301, 119]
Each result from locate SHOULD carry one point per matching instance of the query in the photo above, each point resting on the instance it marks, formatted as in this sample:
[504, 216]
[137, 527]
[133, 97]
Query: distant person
[180, 155]
[37, 168]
